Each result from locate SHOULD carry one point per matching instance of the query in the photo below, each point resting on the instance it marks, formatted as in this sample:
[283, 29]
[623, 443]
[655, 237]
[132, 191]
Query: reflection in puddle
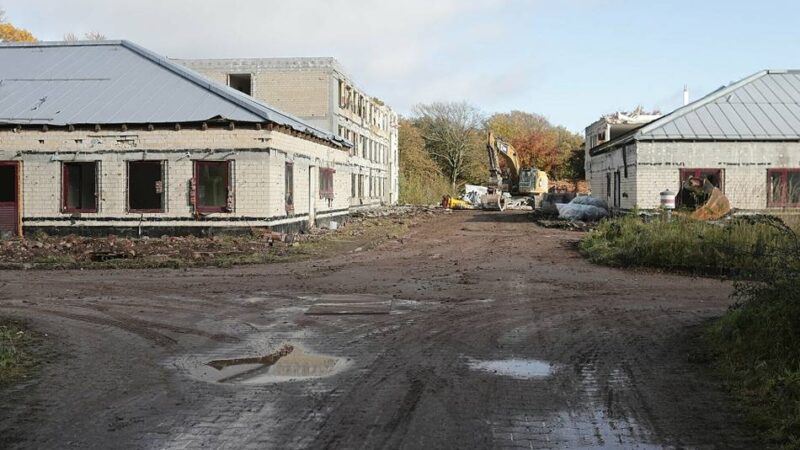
[522, 369]
[289, 363]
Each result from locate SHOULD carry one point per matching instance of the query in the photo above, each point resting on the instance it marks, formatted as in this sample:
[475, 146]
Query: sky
[569, 60]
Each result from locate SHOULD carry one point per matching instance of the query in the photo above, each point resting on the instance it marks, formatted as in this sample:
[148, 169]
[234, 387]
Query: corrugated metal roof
[116, 82]
[764, 106]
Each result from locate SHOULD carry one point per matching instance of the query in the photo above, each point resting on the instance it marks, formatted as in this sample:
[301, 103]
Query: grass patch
[756, 344]
[16, 360]
[740, 248]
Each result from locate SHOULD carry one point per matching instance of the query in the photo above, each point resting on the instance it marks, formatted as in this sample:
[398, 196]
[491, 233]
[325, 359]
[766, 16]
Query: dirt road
[476, 330]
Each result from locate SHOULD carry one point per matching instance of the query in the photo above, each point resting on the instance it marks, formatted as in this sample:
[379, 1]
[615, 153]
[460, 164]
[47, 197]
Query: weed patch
[16, 359]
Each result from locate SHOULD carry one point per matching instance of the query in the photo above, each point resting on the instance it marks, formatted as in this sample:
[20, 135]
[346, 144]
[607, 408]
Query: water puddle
[521, 369]
[288, 363]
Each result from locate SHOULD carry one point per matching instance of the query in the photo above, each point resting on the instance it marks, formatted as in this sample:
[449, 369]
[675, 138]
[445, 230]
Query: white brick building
[318, 91]
[100, 137]
[744, 138]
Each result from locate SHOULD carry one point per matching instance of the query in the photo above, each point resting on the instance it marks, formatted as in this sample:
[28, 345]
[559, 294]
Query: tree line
[443, 146]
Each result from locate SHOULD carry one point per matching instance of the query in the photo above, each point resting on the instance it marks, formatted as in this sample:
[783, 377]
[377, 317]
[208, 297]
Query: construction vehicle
[514, 180]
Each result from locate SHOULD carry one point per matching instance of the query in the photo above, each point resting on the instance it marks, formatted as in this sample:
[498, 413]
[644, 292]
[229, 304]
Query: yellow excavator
[514, 179]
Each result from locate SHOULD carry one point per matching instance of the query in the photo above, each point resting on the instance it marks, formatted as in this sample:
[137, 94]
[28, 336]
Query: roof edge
[703, 101]
[217, 89]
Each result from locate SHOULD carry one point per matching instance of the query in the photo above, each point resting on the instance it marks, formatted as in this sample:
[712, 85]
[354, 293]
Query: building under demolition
[318, 91]
[743, 138]
[106, 136]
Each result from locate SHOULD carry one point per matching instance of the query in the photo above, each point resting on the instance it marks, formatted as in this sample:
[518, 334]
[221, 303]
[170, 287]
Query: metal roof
[761, 107]
[116, 82]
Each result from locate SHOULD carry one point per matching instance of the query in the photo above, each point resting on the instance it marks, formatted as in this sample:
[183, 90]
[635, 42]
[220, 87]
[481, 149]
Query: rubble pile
[77, 251]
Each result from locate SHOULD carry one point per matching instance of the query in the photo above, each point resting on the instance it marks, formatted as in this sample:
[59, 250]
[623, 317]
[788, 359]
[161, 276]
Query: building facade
[318, 91]
[743, 138]
[118, 139]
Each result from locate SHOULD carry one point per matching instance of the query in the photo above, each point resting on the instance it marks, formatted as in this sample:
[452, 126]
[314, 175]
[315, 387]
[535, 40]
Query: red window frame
[326, 183]
[783, 201]
[65, 175]
[228, 188]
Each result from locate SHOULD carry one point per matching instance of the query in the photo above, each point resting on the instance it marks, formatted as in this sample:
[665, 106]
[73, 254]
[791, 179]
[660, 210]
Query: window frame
[288, 188]
[228, 185]
[783, 203]
[162, 166]
[326, 183]
[65, 187]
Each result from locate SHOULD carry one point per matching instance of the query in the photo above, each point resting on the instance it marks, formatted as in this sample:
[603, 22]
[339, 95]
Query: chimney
[685, 95]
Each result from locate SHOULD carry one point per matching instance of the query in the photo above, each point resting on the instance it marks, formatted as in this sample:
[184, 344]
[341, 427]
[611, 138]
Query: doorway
[9, 198]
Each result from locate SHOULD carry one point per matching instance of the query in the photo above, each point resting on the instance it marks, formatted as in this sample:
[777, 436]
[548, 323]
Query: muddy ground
[394, 347]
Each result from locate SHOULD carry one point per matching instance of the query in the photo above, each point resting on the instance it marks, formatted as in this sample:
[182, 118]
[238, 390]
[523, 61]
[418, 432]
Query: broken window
[242, 82]
[695, 179]
[79, 187]
[145, 186]
[288, 186]
[212, 184]
[8, 183]
[784, 188]
[326, 183]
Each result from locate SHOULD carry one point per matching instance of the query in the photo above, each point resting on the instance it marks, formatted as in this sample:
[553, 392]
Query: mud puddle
[521, 369]
[288, 363]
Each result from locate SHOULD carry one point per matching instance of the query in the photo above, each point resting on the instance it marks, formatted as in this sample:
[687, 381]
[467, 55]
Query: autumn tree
[421, 179]
[453, 137]
[10, 33]
[539, 143]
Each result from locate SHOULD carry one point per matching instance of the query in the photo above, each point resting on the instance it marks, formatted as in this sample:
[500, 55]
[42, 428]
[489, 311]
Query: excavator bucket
[716, 207]
[493, 201]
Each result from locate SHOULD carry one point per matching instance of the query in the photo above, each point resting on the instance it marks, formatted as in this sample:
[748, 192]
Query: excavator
[516, 180]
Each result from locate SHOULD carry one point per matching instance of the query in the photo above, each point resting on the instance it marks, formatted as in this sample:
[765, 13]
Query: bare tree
[452, 135]
[95, 36]
[2, 15]
[70, 37]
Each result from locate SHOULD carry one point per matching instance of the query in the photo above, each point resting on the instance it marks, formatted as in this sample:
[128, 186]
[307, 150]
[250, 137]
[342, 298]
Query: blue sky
[570, 61]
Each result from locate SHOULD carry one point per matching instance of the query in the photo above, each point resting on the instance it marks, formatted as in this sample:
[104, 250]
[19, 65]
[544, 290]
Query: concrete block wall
[609, 163]
[744, 166]
[309, 88]
[258, 158]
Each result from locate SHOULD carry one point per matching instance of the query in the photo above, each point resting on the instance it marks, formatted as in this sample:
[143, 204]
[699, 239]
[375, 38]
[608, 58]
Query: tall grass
[740, 248]
[423, 190]
[15, 359]
[756, 344]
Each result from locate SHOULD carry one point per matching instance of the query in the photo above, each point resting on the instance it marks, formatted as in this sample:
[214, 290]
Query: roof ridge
[699, 103]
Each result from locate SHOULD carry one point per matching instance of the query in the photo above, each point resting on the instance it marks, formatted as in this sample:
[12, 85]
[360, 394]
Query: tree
[95, 36]
[539, 143]
[452, 134]
[10, 33]
[421, 179]
[90, 36]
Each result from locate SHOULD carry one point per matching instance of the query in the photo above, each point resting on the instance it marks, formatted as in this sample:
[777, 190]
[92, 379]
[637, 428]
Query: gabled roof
[119, 82]
[762, 107]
